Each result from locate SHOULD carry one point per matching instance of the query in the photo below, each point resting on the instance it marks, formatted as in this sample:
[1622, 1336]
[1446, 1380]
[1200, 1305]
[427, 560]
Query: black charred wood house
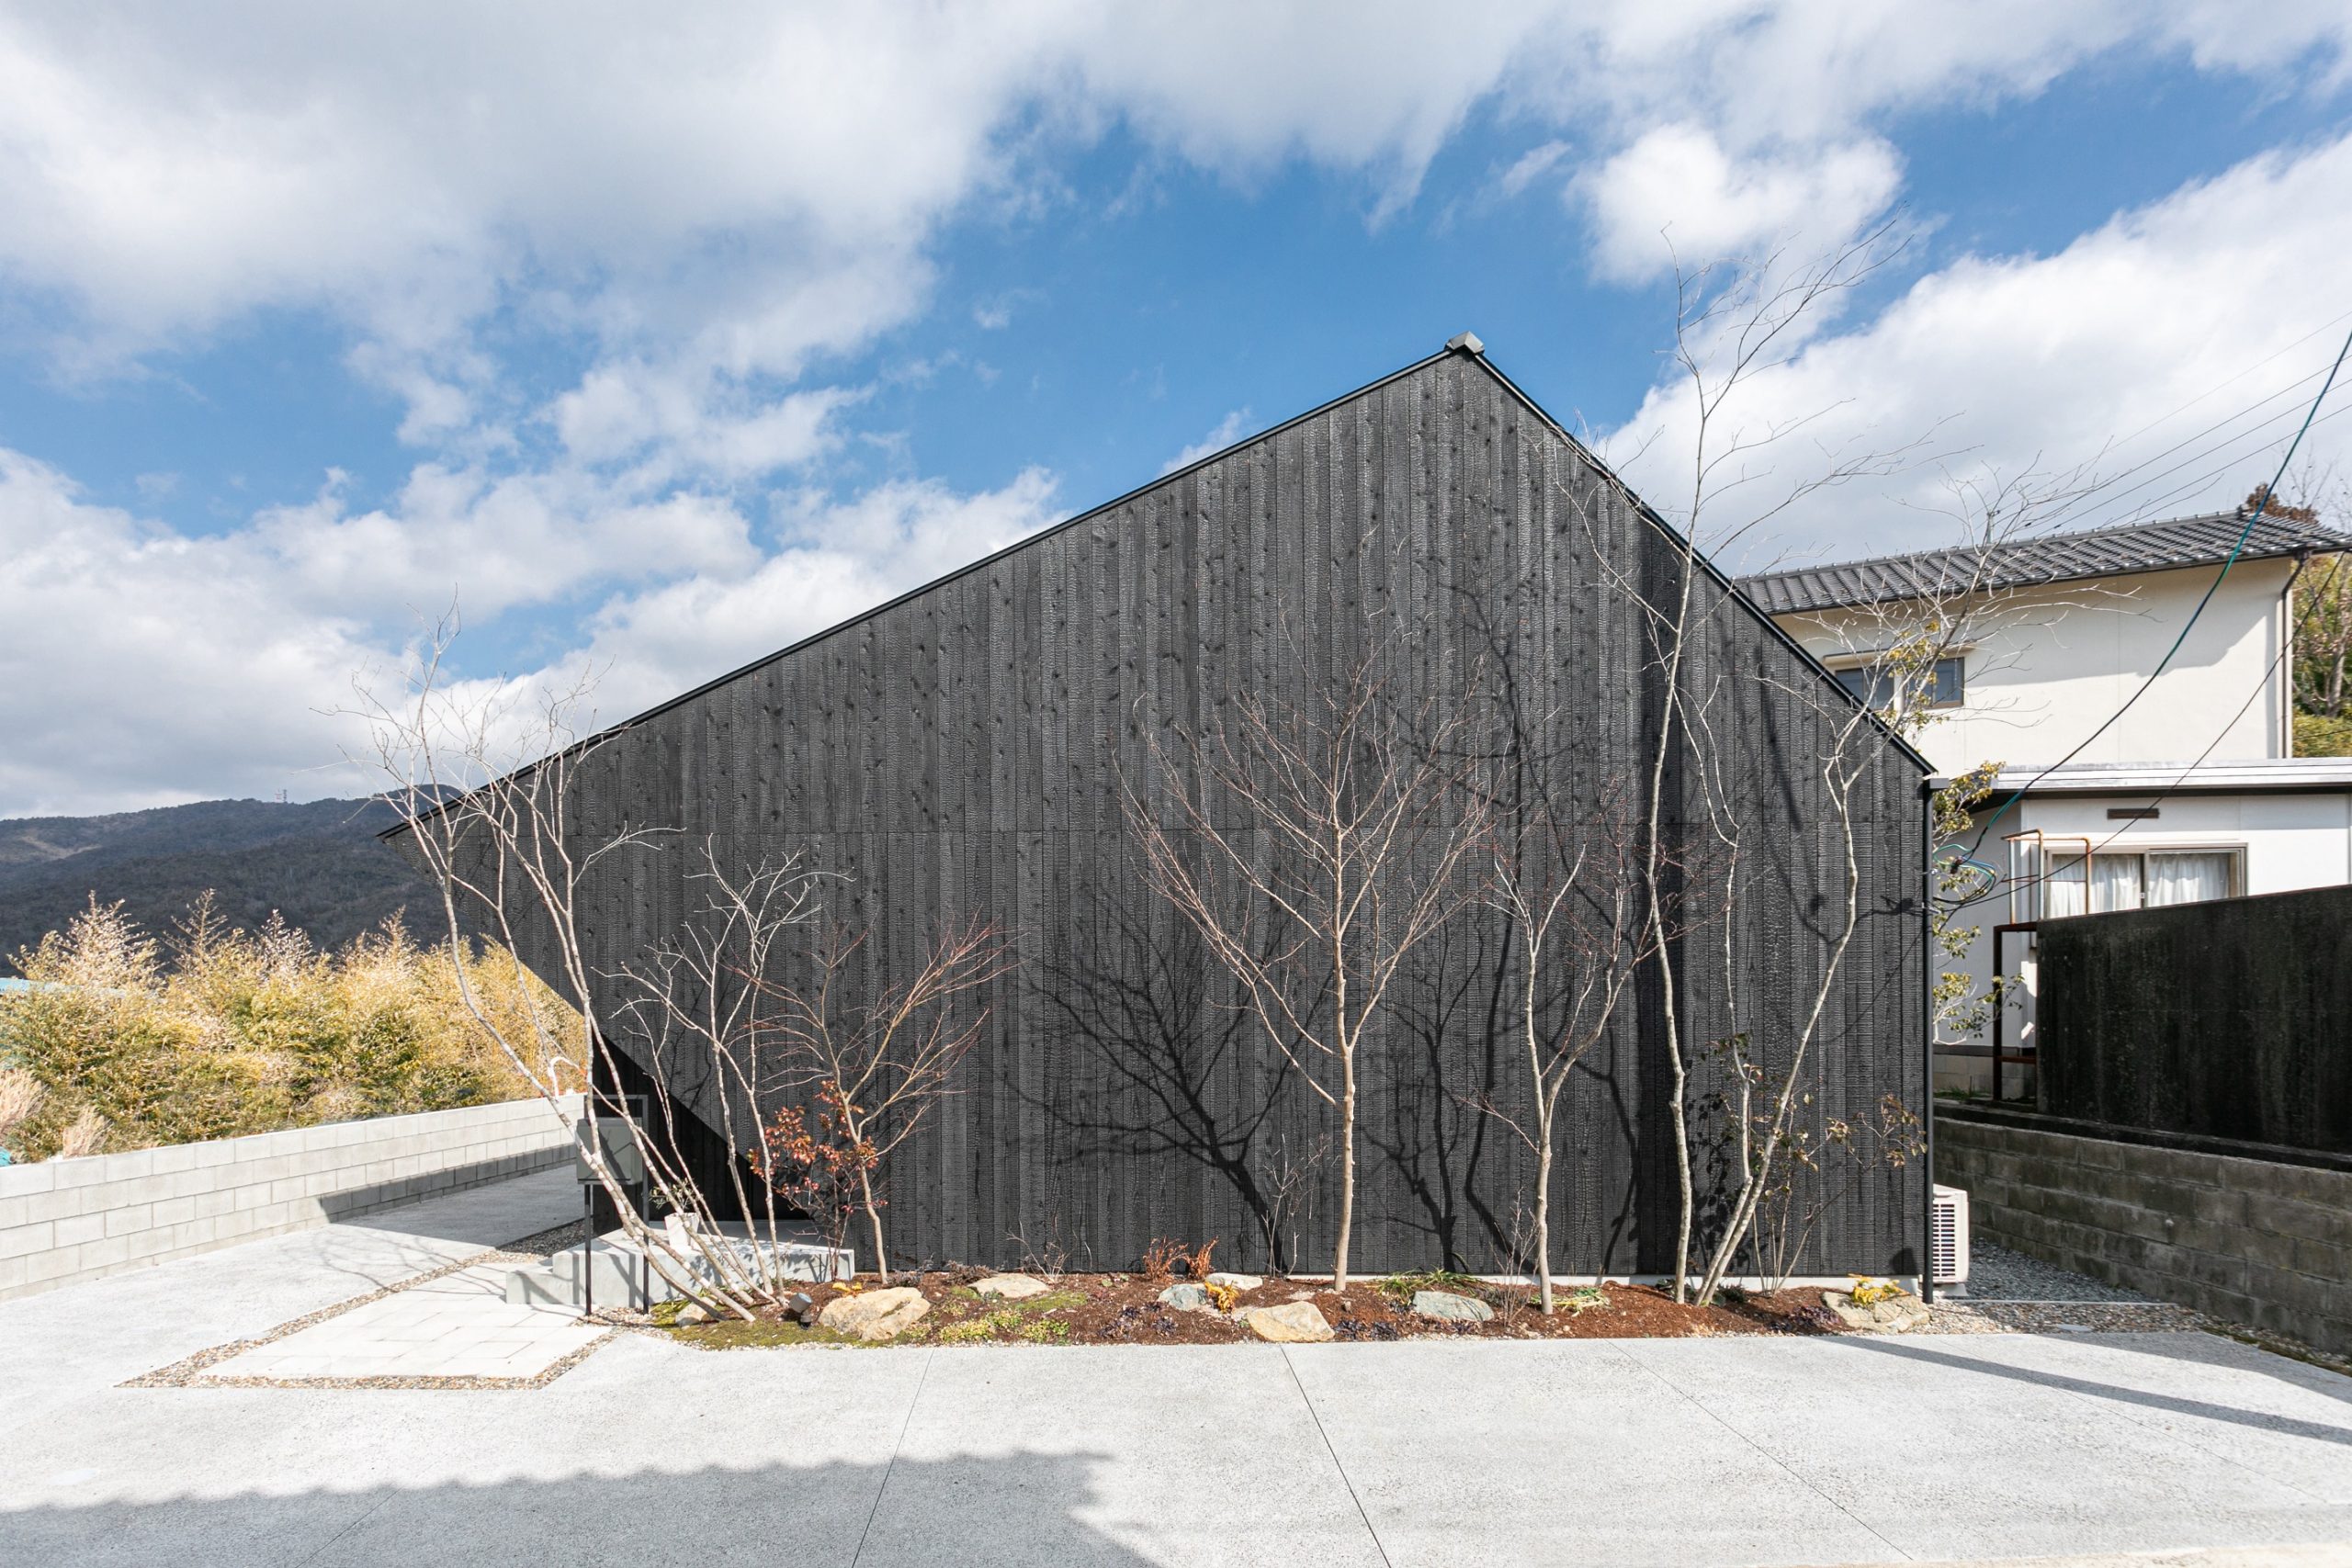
[962, 751]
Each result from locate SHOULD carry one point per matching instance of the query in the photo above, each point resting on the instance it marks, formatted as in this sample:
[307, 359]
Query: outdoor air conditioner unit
[1947, 1237]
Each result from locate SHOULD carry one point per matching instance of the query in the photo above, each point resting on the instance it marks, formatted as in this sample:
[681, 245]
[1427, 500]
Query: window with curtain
[1945, 686]
[2157, 877]
[2063, 881]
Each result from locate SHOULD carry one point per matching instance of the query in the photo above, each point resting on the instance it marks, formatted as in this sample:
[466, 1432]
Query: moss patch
[734, 1334]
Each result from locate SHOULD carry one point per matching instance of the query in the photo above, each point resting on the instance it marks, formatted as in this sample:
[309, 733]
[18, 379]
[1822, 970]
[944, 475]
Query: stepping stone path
[1186, 1298]
[1238, 1281]
[1011, 1287]
[876, 1314]
[1451, 1307]
[1293, 1323]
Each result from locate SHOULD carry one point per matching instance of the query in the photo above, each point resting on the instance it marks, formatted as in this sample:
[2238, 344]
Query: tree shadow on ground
[2172, 1404]
[1014, 1509]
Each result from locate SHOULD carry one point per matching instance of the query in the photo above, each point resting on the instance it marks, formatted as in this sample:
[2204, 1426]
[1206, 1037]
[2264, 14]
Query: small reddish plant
[1196, 1262]
[824, 1171]
[1160, 1261]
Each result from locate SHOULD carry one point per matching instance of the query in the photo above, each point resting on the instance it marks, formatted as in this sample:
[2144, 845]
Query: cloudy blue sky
[659, 340]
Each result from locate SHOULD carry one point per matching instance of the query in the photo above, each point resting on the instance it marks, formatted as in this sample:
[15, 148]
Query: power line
[2238, 548]
[2286, 652]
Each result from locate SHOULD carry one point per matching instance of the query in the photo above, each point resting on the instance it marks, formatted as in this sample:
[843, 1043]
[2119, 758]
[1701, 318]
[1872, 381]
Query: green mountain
[319, 864]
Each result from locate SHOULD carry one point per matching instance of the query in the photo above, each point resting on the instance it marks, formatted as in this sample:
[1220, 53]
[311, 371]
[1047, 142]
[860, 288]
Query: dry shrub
[87, 1134]
[219, 1032]
[20, 1097]
[1165, 1258]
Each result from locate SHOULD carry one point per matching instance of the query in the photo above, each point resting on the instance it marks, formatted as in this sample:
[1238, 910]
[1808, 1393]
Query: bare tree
[879, 1053]
[1571, 885]
[487, 784]
[696, 1008]
[1315, 846]
[1851, 747]
[1733, 324]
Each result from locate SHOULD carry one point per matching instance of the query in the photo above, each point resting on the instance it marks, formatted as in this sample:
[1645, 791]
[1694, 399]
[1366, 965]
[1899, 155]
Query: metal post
[588, 1249]
[1928, 1055]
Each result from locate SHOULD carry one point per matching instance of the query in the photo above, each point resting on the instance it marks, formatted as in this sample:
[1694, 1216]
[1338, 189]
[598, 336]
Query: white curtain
[2115, 883]
[2062, 892]
[2188, 878]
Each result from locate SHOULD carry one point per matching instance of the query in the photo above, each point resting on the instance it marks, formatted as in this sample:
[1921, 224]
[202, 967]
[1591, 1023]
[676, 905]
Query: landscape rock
[1293, 1323]
[1897, 1315]
[1011, 1287]
[692, 1313]
[1186, 1298]
[1451, 1307]
[1238, 1281]
[876, 1314]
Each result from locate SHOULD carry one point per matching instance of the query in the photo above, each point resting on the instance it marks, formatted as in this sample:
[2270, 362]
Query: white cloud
[1677, 193]
[1228, 431]
[144, 665]
[739, 186]
[140, 663]
[2114, 352]
[702, 425]
[838, 559]
[697, 211]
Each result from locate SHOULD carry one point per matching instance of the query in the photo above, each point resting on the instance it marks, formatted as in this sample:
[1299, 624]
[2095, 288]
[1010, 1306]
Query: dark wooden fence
[2228, 1020]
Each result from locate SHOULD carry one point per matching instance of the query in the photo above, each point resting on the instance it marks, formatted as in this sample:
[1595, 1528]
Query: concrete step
[623, 1279]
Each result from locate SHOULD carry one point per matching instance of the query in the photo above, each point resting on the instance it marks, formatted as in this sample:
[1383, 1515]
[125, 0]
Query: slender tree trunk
[1347, 1167]
[1743, 1215]
[1544, 1212]
[874, 1218]
[1544, 1106]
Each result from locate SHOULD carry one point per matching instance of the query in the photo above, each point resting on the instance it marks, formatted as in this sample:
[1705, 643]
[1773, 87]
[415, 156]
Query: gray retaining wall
[64, 1221]
[2261, 1242]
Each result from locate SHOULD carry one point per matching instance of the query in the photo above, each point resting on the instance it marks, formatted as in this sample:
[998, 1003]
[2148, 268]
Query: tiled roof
[2048, 558]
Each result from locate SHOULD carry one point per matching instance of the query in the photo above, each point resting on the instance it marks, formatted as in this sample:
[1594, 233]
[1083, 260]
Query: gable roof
[1466, 345]
[2051, 557]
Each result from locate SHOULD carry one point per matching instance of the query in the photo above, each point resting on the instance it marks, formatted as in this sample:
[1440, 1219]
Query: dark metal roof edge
[965, 570]
[1893, 556]
[1649, 513]
[2322, 541]
[1729, 585]
[2187, 785]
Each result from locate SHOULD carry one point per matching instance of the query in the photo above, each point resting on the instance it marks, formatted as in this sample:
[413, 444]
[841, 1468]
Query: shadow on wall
[1177, 1071]
[1023, 1508]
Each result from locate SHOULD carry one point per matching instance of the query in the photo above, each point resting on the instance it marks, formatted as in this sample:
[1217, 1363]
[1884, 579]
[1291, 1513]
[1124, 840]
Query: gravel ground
[546, 1242]
[1996, 1274]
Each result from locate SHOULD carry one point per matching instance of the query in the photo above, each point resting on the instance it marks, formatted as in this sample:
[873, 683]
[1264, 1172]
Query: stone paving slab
[459, 1326]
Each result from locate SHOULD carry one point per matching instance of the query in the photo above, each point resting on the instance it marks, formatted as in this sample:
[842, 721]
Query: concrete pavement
[1623, 1452]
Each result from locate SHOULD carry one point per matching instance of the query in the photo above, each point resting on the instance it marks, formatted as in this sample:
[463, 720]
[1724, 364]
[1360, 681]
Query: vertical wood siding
[962, 753]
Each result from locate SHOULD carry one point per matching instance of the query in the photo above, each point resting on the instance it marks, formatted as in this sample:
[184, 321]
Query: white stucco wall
[2289, 839]
[2047, 666]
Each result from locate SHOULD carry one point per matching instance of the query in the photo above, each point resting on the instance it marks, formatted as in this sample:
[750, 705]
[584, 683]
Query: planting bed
[1125, 1309]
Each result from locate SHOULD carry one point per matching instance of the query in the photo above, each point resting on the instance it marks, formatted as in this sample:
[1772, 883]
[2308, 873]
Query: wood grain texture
[963, 752]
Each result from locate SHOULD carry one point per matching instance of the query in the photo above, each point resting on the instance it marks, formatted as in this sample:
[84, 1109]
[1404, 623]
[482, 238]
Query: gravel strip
[546, 1242]
[189, 1372]
[1996, 1274]
[1947, 1316]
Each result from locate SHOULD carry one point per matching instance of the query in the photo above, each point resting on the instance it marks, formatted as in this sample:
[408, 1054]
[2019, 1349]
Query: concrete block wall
[64, 1221]
[2257, 1242]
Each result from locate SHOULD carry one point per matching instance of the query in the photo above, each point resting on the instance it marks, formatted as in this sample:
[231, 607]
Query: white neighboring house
[2193, 793]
